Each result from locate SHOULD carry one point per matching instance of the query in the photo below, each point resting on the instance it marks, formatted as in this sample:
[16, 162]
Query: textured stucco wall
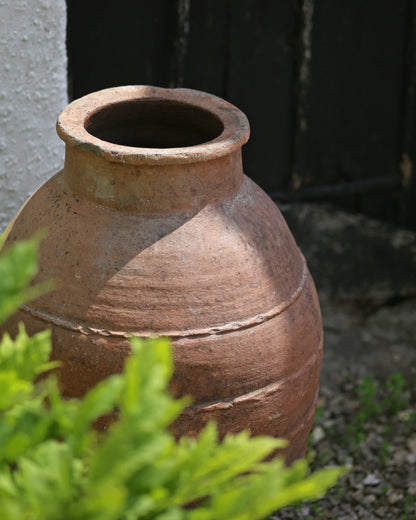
[33, 90]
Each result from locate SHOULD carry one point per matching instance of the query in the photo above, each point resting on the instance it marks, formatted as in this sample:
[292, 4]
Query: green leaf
[256, 496]
[12, 389]
[7, 486]
[102, 399]
[127, 452]
[18, 266]
[147, 372]
[210, 465]
[27, 356]
[105, 502]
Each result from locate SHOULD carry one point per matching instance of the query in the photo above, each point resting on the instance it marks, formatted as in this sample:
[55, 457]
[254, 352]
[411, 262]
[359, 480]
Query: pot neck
[152, 188]
[153, 150]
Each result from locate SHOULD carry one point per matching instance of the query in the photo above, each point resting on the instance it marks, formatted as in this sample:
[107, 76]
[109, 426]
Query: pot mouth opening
[140, 124]
[154, 123]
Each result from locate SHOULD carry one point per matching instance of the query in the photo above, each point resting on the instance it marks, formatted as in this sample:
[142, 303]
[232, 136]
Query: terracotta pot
[154, 229]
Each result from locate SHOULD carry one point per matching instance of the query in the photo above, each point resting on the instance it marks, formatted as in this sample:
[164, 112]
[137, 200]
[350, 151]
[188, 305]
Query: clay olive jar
[153, 229]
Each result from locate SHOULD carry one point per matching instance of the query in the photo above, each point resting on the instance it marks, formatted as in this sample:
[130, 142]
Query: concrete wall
[33, 91]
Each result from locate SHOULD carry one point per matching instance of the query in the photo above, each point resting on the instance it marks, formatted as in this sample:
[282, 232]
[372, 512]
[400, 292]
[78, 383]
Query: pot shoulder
[224, 264]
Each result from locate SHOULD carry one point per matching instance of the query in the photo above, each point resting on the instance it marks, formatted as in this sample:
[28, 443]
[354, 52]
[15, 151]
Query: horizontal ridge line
[254, 395]
[208, 331]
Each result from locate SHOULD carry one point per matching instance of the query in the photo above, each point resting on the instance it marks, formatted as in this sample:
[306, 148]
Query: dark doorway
[328, 87]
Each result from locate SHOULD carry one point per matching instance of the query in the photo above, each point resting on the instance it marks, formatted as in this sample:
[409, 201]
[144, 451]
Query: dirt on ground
[365, 273]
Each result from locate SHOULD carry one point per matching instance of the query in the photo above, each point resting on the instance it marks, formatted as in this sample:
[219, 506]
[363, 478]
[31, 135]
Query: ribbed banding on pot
[153, 229]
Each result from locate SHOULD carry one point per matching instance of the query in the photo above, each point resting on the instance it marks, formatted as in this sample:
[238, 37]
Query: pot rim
[71, 126]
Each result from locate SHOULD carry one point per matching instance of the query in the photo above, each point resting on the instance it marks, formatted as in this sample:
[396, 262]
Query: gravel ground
[366, 416]
[380, 450]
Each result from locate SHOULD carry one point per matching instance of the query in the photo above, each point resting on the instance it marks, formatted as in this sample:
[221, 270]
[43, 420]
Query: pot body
[163, 240]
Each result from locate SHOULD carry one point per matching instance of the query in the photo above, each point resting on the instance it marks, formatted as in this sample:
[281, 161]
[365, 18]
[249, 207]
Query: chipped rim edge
[71, 126]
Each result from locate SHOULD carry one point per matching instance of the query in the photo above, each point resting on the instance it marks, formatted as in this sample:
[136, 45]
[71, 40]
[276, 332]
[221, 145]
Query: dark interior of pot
[154, 123]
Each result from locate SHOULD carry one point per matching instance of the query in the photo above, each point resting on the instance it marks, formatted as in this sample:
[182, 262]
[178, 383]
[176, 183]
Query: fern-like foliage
[55, 466]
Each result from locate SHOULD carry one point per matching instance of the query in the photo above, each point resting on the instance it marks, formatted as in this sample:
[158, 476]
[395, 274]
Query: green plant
[54, 465]
[18, 265]
[396, 398]
[408, 417]
[367, 394]
[409, 508]
[369, 407]
[385, 451]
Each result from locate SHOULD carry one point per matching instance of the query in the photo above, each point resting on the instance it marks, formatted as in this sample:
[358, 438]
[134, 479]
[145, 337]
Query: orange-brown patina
[153, 229]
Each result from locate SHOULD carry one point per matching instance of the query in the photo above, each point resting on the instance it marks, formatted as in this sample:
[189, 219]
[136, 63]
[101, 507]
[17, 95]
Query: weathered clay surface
[175, 241]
